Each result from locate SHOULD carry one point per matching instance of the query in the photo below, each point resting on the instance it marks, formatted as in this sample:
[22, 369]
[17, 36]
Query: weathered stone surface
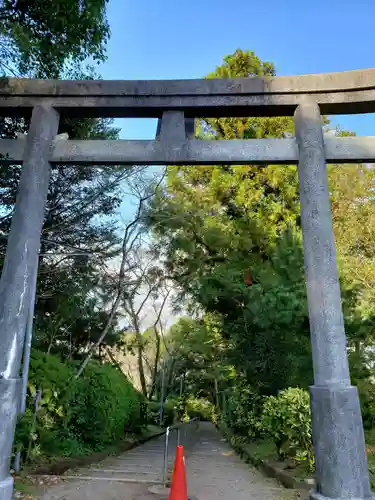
[321, 82]
[341, 463]
[85, 106]
[328, 338]
[18, 274]
[255, 151]
[336, 93]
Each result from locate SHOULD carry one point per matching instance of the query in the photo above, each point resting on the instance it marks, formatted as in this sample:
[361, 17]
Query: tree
[38, 38]
[215, 225]
[137, 279]
[353, 212]
[45, 40]
[231, 239]
[144, 304]
[80, 233]
[197, 348]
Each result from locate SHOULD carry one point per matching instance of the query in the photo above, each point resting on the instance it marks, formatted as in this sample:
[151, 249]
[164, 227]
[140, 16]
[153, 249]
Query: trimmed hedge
[103, 406]
[76, 417]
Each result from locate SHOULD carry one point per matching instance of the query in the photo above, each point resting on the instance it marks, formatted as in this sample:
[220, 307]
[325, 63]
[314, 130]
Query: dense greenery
[216, 225]
[38, 38]
[230, 239]
[77, 416]
[54, 40]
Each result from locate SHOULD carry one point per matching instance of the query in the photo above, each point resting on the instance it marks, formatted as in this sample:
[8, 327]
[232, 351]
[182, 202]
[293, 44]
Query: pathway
[213, 472]
[126, 477]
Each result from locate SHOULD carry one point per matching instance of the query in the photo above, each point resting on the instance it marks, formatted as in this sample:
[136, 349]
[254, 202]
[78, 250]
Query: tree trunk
[141, 371]
[155, 370]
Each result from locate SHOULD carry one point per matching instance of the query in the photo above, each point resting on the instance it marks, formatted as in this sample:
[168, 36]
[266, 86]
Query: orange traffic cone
[178, 487]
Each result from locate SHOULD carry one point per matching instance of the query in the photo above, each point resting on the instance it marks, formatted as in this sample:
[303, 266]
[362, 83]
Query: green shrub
[286, 420]
[77, 416]
[188, 406]
[200, 408]
[178, 405]
[104, 405]
[153, 413]
[242, 410]
[169, 414]
[49, 372]
[40, 435]
[366, 390]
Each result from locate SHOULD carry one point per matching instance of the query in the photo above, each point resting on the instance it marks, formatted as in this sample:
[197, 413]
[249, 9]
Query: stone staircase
[143, 464]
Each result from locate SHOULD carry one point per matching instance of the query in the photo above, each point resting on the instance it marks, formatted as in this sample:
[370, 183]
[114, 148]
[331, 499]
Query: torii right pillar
[338, 438]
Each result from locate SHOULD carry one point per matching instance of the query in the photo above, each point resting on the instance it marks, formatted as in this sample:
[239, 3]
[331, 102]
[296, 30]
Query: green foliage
[199, 408]
[49, 373]
[213, 224]
[366, 390]
[77, 416]
[286, 420]
[78, 218]
[153, 413]
[39, 37]
[104, 405]
[197, 350]
[230, 238]
[242, 410]
[188, 407]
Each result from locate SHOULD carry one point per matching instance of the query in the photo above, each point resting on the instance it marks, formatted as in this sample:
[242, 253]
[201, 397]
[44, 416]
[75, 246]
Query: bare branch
[128, 243]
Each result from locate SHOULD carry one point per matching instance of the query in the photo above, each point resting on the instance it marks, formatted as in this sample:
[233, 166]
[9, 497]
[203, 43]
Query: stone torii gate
[341, 462]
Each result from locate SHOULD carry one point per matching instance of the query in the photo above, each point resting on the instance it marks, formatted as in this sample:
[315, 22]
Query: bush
[200, 408]
[286, 420]
[49, 372]
[366, 390]
[104, 405]
[242, 410]
[78, 416]
[153, 413]
[188, 406]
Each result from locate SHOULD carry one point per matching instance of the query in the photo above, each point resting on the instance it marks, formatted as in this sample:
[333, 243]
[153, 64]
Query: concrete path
[126, 477]
[143, 464]
[213, 472]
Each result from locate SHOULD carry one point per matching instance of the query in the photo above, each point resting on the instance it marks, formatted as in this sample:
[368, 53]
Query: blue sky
[166, 39]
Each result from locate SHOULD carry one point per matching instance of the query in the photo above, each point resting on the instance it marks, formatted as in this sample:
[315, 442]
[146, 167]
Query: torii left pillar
[19, 270]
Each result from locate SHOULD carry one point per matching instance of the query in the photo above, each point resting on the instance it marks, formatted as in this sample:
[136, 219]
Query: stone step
[119, 475]
[114, 479]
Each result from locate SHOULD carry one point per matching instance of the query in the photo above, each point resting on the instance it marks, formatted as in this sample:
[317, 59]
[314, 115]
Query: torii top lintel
[336, 93]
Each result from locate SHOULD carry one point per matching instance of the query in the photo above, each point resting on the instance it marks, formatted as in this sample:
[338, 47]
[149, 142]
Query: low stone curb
[268, 468]
[61, 466]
